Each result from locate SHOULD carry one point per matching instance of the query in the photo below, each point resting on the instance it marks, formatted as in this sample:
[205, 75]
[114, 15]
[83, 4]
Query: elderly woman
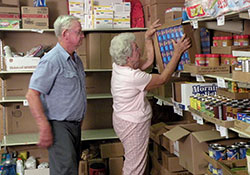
[129, 85]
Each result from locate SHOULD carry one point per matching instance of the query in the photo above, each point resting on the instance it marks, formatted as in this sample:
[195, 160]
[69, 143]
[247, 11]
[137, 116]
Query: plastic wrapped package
[242, 4]
[216, 8]
[195, 9]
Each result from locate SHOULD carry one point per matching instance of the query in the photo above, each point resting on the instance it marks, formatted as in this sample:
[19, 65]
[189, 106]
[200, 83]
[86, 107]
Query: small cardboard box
[35, 17]
[44, 171]
[21, 63]
[192, 68]
[183, 90]
[241, 76]
[115, 165]
[171, 162]
[192, 141]
[11, 21]
[111, 150]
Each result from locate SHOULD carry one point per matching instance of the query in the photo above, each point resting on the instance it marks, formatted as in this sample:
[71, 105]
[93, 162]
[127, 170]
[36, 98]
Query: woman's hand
[182, 45]
[151, 30]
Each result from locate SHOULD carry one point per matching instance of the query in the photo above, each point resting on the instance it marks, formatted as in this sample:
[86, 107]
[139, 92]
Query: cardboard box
[83, 167]
[35, 17]
[44, 171]
[115, 165]
[11, 82]
[21, 63]
[171, 162]
[183, 90]
[190, 53]
[157, 150]
[224, 123]
[173, 14]
[156, 132]
[19, 119]
[232, 95]
[226, 50]
[9, 21]
[111, 150]
[9, 2]
[192, 141]
[10, 10]
[172, 2]
[192, 68]
[242, 126]
[241, 76]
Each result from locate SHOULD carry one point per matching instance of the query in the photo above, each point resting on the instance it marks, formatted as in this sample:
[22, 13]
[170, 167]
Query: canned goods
[232, 152]
[219, 153]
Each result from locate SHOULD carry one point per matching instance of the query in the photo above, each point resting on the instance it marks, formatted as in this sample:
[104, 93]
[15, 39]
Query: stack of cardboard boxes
[9, 14]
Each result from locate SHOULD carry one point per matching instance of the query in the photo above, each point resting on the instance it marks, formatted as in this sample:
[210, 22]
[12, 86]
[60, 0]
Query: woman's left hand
[151, 30]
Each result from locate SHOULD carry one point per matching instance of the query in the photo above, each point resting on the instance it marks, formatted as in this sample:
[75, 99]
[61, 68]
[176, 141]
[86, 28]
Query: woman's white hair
[63, 22]
[121, 47]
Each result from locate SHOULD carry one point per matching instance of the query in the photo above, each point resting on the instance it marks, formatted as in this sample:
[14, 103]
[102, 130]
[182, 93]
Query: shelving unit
[32, 138]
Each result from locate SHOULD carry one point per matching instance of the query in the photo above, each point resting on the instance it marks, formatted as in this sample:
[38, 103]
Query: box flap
[207, 135]
[176, 133]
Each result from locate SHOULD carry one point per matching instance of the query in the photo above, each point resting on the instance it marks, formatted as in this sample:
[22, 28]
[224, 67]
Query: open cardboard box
[193, 140]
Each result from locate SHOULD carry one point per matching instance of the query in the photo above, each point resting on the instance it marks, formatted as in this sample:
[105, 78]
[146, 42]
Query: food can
[232, 152]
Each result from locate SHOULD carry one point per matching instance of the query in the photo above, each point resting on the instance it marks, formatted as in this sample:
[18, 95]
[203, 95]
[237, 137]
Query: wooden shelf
[32, 138]
[84, 30]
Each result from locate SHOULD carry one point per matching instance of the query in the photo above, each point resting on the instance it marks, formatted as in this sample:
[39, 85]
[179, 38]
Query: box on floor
[192, 141]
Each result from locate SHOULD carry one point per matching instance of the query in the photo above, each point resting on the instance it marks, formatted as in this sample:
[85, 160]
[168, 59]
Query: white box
[76, 6]
[122, 16]
[121, 23]
[103, 23]
[21, 63]
[44, 171]
[124, 7]
[103, 14]
[103, 7]
[190, 89]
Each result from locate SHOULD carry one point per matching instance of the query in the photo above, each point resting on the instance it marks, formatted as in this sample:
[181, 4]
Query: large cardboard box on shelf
[192, 139]
[11, 82]
[19, 119]
[111, 150]
[183, 90]
[115, 165]
[189, 31]
[156, 132]
[35, 17]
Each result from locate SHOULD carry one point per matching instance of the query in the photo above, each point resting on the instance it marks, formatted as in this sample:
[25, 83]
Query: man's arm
[36, 108]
